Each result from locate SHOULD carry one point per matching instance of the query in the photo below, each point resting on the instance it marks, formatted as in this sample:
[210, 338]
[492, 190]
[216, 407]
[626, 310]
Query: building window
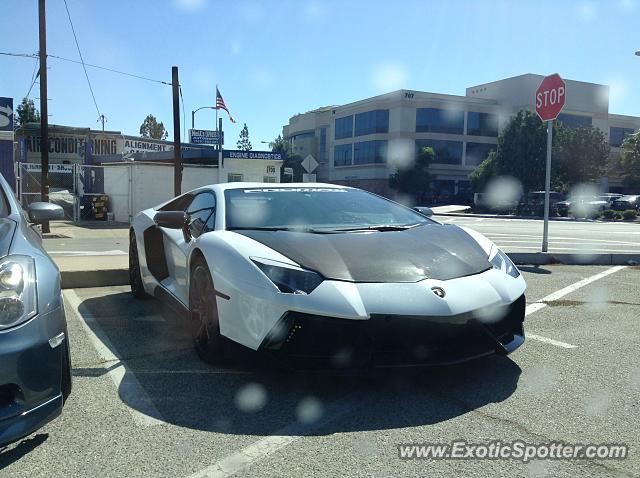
[268, 179]
[344, 127]
[574, 121]
[370, 152]
[434, 120]
[305, 135]
[478, 152]
[371, 122]
[342, 155]
[617, 135]
[235, 178]
[447, 152]
[482, 124]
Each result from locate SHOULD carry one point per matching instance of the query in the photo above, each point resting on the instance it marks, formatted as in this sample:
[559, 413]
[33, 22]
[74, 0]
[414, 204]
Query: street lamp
[193, 114]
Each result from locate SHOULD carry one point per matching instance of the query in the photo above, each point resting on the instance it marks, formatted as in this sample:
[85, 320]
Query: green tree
[150, 128]
[243, 142]
[630, 160]
[414, 180]
[579, 155]
[290, 160]
[27, 112]
[521, 151]
[483, 173]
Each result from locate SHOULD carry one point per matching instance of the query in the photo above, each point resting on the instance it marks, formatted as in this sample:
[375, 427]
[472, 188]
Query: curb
[505, 216]
[115, 277]
[94, 278]
[549, 258]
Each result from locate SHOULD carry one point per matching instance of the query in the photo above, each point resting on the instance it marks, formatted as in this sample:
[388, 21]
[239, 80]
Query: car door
[201, 211]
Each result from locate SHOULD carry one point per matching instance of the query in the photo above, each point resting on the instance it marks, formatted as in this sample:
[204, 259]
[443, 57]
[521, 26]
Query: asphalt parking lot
[144, 405]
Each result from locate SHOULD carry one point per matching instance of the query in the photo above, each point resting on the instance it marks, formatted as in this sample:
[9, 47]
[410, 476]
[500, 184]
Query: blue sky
[273, 59]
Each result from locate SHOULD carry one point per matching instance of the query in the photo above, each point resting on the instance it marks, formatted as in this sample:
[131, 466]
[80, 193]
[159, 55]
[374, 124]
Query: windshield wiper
[381, 227]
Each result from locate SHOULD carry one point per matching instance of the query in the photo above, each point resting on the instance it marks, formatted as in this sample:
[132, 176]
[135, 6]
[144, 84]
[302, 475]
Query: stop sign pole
[550, 99]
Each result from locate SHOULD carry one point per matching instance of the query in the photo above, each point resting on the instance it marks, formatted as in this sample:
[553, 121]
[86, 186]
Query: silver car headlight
[18, 293]
[287, 278]
[499, 260]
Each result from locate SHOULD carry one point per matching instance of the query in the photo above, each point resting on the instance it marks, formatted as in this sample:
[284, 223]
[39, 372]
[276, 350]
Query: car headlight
[287, 278]
[499, 260]
[18, 295]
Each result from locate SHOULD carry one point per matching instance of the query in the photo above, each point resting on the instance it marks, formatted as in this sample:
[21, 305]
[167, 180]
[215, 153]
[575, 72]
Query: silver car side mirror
[44, 211]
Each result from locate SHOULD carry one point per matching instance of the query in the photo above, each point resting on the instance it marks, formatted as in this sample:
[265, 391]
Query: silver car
[35, 367]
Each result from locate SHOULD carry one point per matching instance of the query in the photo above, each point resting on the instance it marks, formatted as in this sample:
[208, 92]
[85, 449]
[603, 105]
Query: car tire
[203, 314]
[135, 276]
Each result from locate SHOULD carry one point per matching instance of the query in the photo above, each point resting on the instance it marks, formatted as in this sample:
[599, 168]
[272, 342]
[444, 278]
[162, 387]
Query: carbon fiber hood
[435, 251]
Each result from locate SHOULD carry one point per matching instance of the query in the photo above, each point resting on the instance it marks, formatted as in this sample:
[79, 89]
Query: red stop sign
[550, 97]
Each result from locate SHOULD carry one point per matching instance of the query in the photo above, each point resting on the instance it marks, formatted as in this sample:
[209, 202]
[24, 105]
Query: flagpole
[217, 113]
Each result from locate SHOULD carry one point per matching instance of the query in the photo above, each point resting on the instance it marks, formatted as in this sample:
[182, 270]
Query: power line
[183, 118]
[34, 77]
[73, 30]
[110, 69]
[25, 55]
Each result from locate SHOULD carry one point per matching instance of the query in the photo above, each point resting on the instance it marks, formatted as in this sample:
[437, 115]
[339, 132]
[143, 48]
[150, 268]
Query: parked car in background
[626, 202]
[581, 206]
[533, 204]
[609, 198]
[35, 367]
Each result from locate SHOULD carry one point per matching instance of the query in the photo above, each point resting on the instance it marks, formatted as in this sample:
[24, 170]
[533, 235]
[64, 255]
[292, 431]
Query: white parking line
[542, 303]
[138, 403]
[235, 463]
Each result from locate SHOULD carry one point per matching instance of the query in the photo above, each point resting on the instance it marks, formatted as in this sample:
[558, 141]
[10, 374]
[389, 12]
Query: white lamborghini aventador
[319, 271]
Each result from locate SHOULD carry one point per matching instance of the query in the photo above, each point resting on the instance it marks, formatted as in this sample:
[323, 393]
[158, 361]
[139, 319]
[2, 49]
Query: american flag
[221, 106]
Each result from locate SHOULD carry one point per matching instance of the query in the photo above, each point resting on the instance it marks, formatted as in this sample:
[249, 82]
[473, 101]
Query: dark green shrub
[630, 215]
[608, 214]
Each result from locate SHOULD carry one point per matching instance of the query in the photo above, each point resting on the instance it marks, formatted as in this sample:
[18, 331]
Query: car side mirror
[44, 211]
[171, 219]
[425, 211]
[174, 220]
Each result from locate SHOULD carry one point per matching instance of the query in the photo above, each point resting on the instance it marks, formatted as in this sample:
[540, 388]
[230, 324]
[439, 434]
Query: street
[512, 235]
[525, 235]
[143, 404]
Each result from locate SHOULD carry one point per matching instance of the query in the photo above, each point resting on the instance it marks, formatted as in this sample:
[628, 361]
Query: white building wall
[134, 187]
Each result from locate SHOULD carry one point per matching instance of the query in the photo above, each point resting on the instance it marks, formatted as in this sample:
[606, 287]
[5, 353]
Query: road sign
[309, 163]
[6, 114]
[204, 136]
[550, 97]
[239, 154]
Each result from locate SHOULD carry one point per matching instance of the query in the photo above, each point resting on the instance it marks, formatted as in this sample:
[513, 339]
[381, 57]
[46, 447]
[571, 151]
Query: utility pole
[102, 119]
[177, 154]
[44, 110]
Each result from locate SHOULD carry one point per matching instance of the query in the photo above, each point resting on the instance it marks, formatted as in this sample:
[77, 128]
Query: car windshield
[314, 208]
